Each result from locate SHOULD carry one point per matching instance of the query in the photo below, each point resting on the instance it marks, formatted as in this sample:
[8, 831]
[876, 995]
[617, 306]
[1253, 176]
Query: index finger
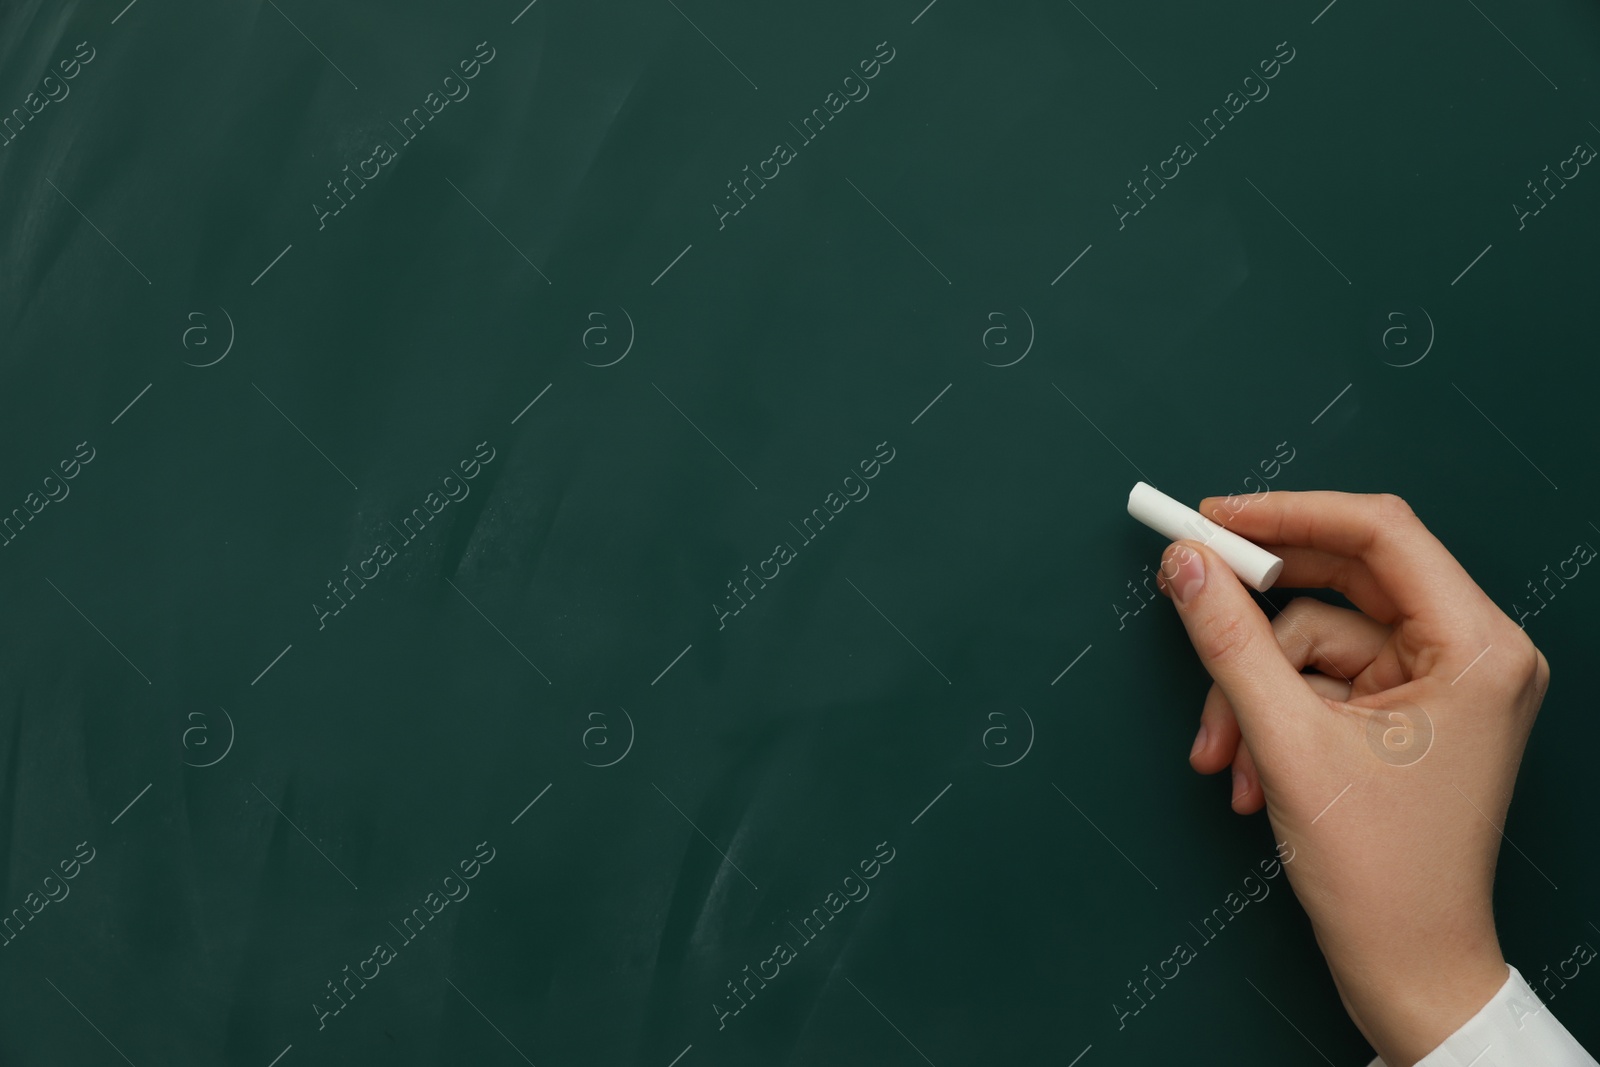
[1411, 565]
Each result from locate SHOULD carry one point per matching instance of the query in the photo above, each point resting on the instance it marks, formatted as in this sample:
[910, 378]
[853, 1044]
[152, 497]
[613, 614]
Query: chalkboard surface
[593, 533]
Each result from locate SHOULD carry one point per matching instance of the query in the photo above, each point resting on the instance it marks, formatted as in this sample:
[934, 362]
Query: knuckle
[1394, 510]
[1537, 669]
[1525, 671]
[1293, 622]
[1300, 608]
[1222, 639]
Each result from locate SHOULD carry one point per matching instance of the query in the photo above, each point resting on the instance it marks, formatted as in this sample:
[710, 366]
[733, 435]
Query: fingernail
[1190, 576]
[1199, 742]
[1241, 784]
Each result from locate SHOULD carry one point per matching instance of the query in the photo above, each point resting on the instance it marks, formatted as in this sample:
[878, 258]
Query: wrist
[1408, 1007]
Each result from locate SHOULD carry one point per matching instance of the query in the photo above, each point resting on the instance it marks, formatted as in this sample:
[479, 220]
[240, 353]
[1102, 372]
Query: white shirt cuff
[1514, 1029]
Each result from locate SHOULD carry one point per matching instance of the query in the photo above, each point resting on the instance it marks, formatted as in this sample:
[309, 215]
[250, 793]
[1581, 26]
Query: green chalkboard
[593, 533]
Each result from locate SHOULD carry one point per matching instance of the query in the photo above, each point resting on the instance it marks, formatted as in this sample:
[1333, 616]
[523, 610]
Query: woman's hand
[1390, 770]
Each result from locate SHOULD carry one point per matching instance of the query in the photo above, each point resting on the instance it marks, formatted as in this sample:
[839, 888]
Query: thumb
[1234, 640]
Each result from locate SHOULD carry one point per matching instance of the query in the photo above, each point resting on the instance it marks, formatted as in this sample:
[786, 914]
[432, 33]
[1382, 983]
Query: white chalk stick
[1254, 565]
